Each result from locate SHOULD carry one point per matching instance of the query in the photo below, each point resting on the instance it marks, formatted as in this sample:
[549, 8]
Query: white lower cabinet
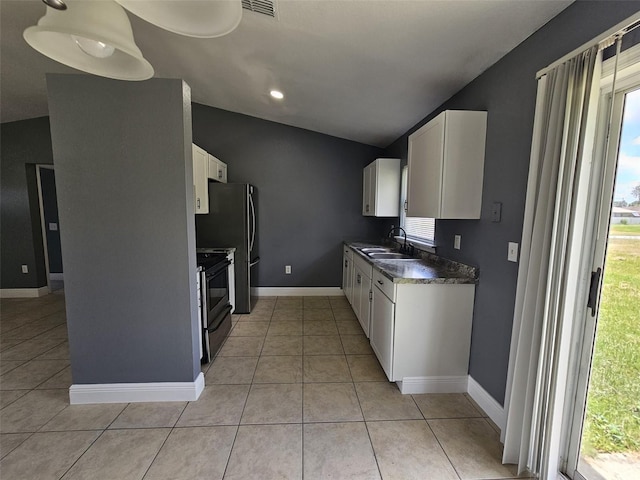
[347, 274]
[362, 294]
[382, 330]
[421, 333]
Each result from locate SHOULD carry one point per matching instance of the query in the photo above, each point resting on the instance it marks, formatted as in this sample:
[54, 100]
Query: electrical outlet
[496, 212]
[287, 269]
[512, 256]
[25, 269]
[456, 242]
[53, 226]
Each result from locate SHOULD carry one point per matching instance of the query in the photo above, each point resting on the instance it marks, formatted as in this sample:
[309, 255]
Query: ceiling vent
[264, 7]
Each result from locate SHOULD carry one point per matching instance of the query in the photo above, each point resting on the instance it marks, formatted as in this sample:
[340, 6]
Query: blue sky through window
[629, 158]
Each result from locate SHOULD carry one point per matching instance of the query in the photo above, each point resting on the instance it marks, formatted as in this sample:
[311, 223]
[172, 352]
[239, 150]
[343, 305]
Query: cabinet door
[222, 172]
[347, 276]
[200, 180]
[367, 191]
[463, 167]
[357, 291]
[365, 303]
[382, 330]
[426, 150]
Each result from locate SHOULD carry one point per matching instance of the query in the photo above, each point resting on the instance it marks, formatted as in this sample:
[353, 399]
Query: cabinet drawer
[385, 285]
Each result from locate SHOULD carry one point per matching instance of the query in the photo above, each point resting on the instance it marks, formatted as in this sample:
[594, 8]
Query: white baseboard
[56, 276]
[137, 392]
[23, 292]
[491, 407]
[443, 384]
[297, 291]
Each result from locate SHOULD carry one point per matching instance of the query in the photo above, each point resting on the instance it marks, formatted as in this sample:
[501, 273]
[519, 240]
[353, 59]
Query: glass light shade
[100, 26]
[192, 18]
[93, 47]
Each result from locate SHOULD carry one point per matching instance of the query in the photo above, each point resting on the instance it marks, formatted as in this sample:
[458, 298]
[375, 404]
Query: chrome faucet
[404, 247]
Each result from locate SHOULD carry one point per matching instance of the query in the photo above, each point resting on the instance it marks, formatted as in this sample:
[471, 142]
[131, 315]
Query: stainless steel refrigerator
[231, 222]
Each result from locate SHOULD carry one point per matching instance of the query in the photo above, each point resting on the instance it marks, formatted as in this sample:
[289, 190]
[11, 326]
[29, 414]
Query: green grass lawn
[613, 406]
[625, 230]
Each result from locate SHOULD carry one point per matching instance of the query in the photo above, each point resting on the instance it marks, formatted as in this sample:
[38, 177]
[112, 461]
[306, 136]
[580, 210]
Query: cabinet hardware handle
[359, 279]
[381, 283]
[220, 174]
[346, 263]
[406, 205]
[198, 203]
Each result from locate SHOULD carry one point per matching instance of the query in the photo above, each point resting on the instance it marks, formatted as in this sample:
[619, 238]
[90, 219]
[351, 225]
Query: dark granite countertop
[425, 268]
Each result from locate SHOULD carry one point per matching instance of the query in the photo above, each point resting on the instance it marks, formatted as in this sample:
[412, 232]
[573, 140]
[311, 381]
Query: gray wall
[22, 145]
[507, 91]
[309, 188]
[124, 180]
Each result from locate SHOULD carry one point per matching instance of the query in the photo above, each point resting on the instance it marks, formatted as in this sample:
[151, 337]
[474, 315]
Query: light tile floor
[295, 392]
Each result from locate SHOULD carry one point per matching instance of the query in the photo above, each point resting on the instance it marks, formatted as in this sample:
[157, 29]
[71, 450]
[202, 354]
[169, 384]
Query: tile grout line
[366, 426]
[235, 437]
[442, 448]
[82, 454]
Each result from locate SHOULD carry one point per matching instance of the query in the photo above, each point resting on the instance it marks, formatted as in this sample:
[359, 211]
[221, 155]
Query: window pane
[420, 227]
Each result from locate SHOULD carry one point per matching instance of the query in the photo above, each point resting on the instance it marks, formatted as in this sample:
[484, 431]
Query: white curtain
[563, 128]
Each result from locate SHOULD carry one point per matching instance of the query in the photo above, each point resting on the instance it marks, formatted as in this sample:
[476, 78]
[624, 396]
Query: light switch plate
[456, 242]
[512, 256]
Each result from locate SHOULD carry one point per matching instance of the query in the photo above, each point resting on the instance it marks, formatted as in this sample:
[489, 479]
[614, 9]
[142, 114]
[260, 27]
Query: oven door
[216, 308]
[216, 333]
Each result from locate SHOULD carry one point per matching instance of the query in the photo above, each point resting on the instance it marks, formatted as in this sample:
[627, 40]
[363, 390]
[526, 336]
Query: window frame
[424, 243]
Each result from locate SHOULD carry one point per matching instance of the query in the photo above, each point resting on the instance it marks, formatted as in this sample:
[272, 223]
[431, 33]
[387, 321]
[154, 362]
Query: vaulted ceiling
[364, 70]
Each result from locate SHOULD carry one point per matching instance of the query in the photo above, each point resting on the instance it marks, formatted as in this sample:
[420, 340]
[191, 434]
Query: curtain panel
[564, 109]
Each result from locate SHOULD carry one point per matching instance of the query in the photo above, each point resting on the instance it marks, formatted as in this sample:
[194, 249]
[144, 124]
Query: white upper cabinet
[217, 169]
[200, 179]
[381, 188]
[446, 166]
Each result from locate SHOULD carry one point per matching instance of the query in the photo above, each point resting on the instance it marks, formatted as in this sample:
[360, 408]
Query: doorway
[50, 226]
[606, 432]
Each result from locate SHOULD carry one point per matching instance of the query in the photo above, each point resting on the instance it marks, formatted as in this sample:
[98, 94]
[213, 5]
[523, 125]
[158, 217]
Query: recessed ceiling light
[277, 94]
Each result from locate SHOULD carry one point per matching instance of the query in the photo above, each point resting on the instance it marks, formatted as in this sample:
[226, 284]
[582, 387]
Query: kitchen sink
[375, 249]
[389, 256]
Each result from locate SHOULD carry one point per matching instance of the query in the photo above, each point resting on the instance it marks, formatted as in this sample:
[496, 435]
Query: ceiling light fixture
[57, 4]
[94, 37]
[192, 18]
[277, 94]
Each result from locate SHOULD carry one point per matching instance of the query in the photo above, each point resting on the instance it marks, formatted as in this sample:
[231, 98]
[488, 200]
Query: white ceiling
[365, 70]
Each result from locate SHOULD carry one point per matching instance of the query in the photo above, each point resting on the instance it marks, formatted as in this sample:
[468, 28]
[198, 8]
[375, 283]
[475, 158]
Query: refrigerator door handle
[253, 222]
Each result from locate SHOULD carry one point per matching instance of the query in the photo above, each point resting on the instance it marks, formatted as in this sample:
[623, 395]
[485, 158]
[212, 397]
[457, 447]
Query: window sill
[423, 245]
